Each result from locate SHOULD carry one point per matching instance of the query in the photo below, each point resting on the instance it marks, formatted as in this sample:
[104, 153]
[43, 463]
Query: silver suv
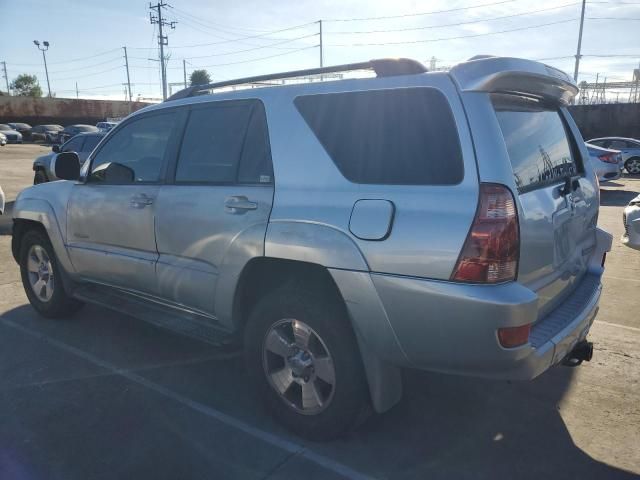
[338, 230]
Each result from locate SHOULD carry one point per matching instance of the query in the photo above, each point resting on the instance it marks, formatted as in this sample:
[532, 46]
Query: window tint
[536, 141]
[598, 143]
[404, 136]
[225, 143]
[140, 146]
[90, 143]
[618, 144]
[73, 145]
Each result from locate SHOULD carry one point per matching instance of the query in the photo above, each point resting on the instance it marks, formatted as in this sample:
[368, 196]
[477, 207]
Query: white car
[631, 220]
[1, 201]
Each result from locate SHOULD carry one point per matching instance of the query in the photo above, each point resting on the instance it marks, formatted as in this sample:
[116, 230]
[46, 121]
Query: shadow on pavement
[445, 426]
[616, 198]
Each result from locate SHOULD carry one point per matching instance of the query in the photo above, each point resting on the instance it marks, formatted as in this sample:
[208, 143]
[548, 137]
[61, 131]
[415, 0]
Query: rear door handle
[239, 204]
[141, 201]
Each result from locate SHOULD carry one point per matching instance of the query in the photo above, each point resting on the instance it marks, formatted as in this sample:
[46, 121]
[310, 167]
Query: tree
[200, 77]
[26, 85]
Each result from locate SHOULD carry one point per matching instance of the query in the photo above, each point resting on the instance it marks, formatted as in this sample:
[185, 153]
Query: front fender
[50, 213]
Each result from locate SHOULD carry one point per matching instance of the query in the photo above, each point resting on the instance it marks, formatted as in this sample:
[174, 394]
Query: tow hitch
[583, 351]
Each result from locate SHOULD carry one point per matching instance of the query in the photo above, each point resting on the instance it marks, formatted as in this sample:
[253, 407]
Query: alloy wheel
[299, 366]
[40, 272]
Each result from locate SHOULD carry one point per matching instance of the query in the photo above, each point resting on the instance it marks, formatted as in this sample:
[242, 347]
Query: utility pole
[77, 93]
[44, 57]
[6, 77]
[184, 71]
[578, 56]
[321, 54]
[126, 64]
[162, 39]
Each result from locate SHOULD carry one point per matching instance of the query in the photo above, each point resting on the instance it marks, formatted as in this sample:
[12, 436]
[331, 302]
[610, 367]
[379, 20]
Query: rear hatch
[557, 203]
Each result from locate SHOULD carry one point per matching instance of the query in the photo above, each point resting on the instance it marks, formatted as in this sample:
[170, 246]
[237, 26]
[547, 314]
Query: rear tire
[327, 395]
[632, 165]
[40, 177]
[41, 277]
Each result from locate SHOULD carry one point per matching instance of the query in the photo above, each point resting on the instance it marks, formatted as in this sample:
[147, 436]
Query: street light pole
[44, 57]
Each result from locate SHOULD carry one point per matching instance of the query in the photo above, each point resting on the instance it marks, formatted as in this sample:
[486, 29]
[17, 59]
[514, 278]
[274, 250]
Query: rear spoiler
[514, 75]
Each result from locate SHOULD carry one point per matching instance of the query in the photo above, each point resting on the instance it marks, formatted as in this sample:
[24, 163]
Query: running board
[176, 319]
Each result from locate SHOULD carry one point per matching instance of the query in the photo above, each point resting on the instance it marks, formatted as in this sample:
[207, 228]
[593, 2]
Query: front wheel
[39, 177]
[41, 277]
[303, 356]
[633, 165]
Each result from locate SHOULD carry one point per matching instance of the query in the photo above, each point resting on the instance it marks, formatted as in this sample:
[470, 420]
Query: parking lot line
[625, 327]
[296, 449]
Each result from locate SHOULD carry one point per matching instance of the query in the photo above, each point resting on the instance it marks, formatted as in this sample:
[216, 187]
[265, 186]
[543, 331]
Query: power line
[256, 48]
[469, 22]
[69, 61]
[248, 37]
[257, 59]
[433, 12]
[453, 38]
[90, 74]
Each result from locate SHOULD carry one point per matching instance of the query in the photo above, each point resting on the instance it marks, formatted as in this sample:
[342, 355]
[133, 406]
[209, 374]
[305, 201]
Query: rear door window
[225, 142]
[537, 142]
[404, 136]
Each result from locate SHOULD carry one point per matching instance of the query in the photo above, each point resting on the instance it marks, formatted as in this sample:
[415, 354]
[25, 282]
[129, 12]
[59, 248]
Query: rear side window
[537, 142]
[403, 136]
[225, 142]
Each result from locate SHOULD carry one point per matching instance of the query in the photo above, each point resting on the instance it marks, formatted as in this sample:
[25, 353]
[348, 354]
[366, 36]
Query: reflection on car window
[618, 144]
[536, 141]
[140, 146]
[90, 143]
[73, 145]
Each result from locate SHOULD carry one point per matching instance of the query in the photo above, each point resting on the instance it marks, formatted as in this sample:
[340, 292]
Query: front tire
[41, 277]
[632, 165]
[303, 357]
[40, 177]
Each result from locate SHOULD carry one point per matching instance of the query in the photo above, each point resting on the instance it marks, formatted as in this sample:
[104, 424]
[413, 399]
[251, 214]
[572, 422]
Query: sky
[238, 38]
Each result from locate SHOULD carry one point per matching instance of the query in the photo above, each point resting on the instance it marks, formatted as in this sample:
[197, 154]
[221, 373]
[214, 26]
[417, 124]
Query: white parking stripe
[266, 437]
[626, 327]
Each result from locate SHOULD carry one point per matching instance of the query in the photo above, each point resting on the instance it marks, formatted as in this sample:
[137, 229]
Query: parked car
[82, 144]
[344, 230]
[629, 147]
[45, 133]
[2, 200]
[23, 128]
[73, 130]
[12, 136]
[3, 139]
[105, 126]
[606, 163]
[631, 221]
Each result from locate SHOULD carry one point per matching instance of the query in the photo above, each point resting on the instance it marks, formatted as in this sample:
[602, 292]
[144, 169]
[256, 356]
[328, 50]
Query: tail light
[490, 252]
[608, 158]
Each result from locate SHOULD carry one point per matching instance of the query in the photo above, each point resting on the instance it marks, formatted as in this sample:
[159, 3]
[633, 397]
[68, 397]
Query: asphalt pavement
[104, 395]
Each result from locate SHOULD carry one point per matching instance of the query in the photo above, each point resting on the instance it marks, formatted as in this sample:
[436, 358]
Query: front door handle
[141, 201]
[239, 204]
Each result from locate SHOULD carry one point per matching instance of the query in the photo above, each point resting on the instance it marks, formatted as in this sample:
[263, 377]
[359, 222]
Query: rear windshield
[536, 140]
[404, 136]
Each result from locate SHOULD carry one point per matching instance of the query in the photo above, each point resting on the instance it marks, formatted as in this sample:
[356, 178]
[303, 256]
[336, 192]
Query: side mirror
[56, 148]
[66, 166]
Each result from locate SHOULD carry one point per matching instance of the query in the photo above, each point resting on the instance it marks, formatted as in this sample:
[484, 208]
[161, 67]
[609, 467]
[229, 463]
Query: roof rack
[384, 67]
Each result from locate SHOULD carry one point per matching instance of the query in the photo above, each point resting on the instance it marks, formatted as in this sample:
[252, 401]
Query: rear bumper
[608, 171]
[452, 328]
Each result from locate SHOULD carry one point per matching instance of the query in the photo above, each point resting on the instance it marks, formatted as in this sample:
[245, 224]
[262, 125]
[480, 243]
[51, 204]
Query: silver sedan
[629, 147]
